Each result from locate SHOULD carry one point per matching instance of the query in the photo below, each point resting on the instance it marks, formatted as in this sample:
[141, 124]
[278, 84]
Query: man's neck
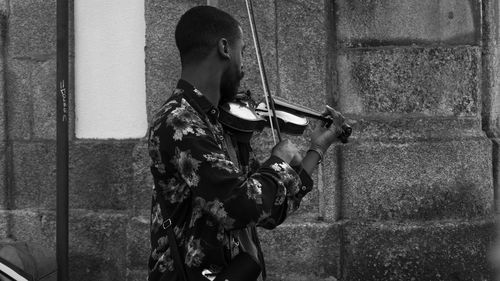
[203, 78]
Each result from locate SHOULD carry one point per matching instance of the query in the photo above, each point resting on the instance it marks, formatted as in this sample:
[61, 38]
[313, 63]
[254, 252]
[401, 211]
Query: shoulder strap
[174, 248]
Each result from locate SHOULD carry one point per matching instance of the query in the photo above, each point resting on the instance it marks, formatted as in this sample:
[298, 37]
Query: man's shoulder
[177, 113]
[174, 101]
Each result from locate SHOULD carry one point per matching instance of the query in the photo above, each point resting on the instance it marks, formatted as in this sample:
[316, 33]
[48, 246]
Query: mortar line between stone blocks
[344, 49]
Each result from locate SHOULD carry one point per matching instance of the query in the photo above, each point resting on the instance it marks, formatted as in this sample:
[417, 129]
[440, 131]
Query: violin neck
[298, 109]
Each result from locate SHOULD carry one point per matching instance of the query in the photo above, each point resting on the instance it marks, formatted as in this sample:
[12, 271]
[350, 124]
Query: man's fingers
[329, 111]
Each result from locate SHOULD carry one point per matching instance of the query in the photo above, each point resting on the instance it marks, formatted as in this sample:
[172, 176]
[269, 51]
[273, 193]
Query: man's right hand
[288, 152]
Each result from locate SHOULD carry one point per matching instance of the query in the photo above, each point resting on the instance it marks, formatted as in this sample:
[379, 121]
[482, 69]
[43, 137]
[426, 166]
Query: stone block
[96, 240]
[496, 170]
[44, 99]
[411, 81]
[162, 56]
[32, 29]
[3, 97]
[137, 275]
[19, 225]
[4, 192]
[34, 175]
[4, 224]
[19, 96]
[102, 175]
[3, 101]
[96, 246]
[138, 243]
[265, 22]
[401, 128]
[96, 243]
[3, 108]
[301, 250]
[31, 98]
[3, 115]
[408, 22]
[141, 190]
[303, 54]
[451, 250]
[413, 180]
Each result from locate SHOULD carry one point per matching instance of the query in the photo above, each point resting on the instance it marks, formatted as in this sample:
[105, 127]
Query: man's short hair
[199, 30]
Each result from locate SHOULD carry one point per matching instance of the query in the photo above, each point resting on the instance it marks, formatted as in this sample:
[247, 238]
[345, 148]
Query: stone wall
[411, 197]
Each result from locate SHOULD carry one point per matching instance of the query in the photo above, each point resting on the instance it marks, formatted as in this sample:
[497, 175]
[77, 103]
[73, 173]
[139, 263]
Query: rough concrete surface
[424, 251]
[138, 244]
[385, 22]
[137, 275]
[44, 100]
[426, 81]
[421, 180]
[96, 240]
[101, 176]
[402, 128]
[303, 52]
[34, 175]
[32, 102]
[3, 92]
[301, 250]
[265, 22]
[32, 29]
[140, 193]
[409, 198]
[162, 57]
[19, 94]
[4, 198]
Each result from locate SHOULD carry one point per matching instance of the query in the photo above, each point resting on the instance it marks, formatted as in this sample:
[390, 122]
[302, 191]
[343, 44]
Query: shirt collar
[197, 99]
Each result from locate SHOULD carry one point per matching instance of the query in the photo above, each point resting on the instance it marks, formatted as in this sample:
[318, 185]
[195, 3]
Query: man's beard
[230, 82]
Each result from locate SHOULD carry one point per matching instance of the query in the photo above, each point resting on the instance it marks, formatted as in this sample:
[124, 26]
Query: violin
[244, 116]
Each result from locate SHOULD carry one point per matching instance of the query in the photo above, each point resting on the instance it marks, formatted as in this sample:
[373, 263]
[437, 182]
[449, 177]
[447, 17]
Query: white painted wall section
[110, 90]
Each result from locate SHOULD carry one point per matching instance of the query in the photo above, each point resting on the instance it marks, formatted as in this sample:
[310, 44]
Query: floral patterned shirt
[206, 195]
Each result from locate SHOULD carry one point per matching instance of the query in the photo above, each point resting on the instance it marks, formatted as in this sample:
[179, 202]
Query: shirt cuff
[295, 178]
[305, 178]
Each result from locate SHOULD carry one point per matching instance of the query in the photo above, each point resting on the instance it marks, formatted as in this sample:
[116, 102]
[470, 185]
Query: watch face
[10, 272]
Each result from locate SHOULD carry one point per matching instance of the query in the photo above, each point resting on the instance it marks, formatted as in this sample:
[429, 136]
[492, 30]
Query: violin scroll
[346, 133]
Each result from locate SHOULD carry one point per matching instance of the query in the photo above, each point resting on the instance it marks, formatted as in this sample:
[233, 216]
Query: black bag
[243, 268]
[22, 261]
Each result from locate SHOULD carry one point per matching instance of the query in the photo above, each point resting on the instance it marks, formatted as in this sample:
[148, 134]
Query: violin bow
[265, 85]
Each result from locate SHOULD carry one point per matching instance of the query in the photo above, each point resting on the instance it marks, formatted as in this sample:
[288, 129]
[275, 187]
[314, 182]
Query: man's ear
[223, 48]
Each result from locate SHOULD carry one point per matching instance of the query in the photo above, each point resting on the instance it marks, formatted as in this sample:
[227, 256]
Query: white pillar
[110, 91]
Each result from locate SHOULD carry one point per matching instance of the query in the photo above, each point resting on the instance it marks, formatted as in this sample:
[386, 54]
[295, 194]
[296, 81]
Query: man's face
[230, 81]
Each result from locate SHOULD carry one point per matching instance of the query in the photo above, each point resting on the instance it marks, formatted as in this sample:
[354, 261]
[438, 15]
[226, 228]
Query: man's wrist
[317, 150]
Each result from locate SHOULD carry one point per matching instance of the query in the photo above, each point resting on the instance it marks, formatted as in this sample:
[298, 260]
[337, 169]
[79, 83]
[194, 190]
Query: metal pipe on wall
[62, 154]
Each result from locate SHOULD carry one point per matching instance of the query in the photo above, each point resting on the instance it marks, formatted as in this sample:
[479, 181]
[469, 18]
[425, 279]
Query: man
[201, 193]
